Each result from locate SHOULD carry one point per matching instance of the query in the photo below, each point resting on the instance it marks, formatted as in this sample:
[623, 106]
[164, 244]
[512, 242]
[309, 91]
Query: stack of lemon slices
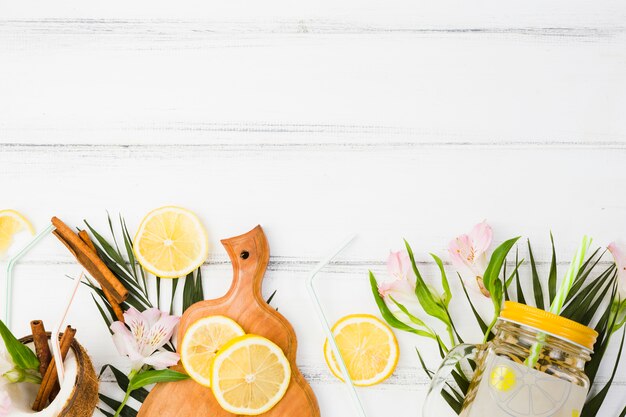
[248, 374]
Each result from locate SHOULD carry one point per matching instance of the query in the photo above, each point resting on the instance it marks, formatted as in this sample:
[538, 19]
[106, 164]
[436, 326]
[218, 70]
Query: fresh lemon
[201, 342]
[250, 375]
[368, 347]
[11, 223]
[171, 242]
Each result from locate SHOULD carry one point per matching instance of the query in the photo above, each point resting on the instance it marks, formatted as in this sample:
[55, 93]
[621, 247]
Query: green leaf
[22, 356]
[584, 273]
[552, 276]
[518, 285]
[423, 293]
[490, 279]
[426, 333]
[537, 290]
[479, 320]
[592, 407]
[447, 294]
[174, 286]
[387, 315]
[158, 292]
[122, 382]
[152, 377]
[127, 411]
[271, 297]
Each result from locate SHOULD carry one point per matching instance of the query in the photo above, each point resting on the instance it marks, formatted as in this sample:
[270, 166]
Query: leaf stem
[488, 332]
[132, 374]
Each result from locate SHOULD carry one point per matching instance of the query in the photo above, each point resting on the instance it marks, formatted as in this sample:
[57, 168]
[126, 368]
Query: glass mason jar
[533, 367]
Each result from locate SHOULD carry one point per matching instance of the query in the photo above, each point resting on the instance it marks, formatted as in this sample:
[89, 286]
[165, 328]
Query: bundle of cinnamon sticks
[83, 249]
[49, 388]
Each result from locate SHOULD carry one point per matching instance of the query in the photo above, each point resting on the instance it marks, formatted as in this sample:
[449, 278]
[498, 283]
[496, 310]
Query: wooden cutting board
[249, 254]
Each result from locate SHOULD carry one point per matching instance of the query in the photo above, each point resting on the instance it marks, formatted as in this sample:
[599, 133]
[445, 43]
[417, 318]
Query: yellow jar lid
[549, 323]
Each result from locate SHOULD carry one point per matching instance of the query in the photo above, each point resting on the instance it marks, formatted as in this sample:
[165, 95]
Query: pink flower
[620, 261]
[143, 336]
[469, 252]
[402, 287]
[5, 404]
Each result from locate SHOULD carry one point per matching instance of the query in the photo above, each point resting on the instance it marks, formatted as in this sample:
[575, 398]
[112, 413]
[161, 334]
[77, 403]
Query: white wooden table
[391, 119]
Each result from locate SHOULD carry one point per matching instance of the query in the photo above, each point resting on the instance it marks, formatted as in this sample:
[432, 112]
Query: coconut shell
[83, 400]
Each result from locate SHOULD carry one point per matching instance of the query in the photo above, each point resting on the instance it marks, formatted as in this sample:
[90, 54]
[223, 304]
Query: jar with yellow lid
[533, 367]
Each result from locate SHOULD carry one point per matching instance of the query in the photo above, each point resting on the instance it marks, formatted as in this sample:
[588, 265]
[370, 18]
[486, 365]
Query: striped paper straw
[561, 296]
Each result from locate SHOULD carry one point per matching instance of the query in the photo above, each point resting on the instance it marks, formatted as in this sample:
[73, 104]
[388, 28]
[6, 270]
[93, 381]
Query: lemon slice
[250, 375]
[368, 347]
[201, 342]
[11, 223]
[171, 242]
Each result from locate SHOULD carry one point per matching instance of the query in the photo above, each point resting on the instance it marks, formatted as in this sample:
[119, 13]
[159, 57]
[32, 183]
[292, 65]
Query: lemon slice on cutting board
[250, 375]
[171, 242]
[368, 347]
[12, 223]
[202, 341]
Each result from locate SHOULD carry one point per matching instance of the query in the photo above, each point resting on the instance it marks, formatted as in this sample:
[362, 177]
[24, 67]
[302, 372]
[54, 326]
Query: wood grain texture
[244, 303]
[390, 118]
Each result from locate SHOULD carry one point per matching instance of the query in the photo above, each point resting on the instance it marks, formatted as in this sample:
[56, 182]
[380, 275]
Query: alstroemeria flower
[5, 403]
[6, 364]
[402, 287]
[469, 253]
[143, 336]
[620, 261]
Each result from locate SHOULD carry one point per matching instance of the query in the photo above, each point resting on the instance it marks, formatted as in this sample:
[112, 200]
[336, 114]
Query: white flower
[5, 403]
[6, 364]
[143, 336]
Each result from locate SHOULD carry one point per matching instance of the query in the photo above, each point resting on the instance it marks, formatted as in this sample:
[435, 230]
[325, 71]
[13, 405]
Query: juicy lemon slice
[171, 242]
[201, 342]
[11, 223]
[250, 375]
[368, 347]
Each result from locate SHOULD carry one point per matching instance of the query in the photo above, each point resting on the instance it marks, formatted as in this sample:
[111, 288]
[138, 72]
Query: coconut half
[78, 396]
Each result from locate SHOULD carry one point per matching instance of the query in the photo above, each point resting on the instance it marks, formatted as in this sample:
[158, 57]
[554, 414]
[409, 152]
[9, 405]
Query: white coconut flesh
[23, 395]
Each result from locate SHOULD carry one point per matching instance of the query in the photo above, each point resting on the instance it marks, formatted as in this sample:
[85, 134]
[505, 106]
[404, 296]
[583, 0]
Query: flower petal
[138, 324]
[124, 340]
[619, 255]
[5, 403]
[161, 360]
[161, 332]
[6, 363]
[481, 236]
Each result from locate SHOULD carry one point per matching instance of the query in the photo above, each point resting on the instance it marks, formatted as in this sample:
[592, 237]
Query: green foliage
[592, 288]
[22, 356]
[120, 259]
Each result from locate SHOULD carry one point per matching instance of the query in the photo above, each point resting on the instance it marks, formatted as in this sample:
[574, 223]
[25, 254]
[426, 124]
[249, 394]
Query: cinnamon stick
[119, 314]
[90, 260]
[50, 379]
[42, 349]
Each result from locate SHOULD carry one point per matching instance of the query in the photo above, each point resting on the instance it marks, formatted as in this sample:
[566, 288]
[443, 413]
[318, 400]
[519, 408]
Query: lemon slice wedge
[12, 223]
[368, 347]
[250, 375]
[202, 341]
[171, 242]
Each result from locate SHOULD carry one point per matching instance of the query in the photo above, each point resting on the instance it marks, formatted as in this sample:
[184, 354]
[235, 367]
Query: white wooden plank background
[391, 119]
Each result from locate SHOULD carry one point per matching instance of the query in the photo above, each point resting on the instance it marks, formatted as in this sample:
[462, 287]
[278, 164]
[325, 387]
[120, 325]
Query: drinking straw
[56, 346]
[8, 311]
[561, 296]
[319, 309]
